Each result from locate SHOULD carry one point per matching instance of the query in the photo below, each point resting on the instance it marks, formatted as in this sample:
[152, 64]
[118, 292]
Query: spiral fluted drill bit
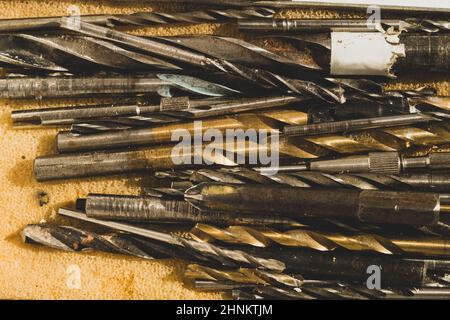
[138, 19]
[295, 177]
[74, 239]
[73, 142]
[355, 25]
[336, 265]
[324, 241]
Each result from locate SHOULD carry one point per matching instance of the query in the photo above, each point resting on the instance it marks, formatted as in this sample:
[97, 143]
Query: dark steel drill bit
[354, 25]
[288, 175]
[393, 6]
[370, 206]
[169, 110]
[69, 87]
[138, 19]
[362, 124]
[302, 261]
[150, 209]
[74, 239]
[324, 241]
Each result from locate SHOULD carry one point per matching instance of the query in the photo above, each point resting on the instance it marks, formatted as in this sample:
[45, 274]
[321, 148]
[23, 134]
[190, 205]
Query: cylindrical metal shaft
[370, 206]
[69, 87]
[358, 124]
[155, 210]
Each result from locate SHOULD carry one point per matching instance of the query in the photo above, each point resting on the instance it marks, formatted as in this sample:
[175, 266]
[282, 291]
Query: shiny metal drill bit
[169, 110]
[370, 206]
[323, 241]
[354, 25]
[138, 19]
[335, 265]
[69, 87]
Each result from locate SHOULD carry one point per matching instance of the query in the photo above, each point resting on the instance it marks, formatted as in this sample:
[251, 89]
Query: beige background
[30, 272]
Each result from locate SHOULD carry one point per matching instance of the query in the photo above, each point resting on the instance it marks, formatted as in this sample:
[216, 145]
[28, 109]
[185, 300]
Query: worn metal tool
[325, 241]
[86, 86]
[138, 19]
[150, 209]
[369, 206]
[354, 25]
[310, 263]
[168, 110]
[287, 175]
[390, 6]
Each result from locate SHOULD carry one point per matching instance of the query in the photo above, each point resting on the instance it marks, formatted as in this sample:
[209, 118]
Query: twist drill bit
[162, 158]
[193, 58]
[68, 87]
[393, 6]
[362, 124]
[150, 209]
[369, 206]
[70, 142]
[73, 239]
[139, 19]
[294, 176]
[324, 241]
[169, 110]
[335, 265]
[355, 25]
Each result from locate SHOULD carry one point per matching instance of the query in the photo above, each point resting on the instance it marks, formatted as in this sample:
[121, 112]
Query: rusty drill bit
[335, 265]
[138, 19]
[324, 241]
[369, 206]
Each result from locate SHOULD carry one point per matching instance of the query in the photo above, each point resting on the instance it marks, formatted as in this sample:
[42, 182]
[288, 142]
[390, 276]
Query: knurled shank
[412, 208]
[384, 162]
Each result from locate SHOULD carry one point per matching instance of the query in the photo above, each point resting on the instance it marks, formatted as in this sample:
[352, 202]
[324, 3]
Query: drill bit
[70, 142]
[69, 238]
[169, 110]
[354, 25]
[176, 52]
[151, 209]
[324, 241]
[161, 158]
[397, 6]
[138, 19]
[302, 261]
[69, 87]
[362, 124]
[294, 176]
[369, 206]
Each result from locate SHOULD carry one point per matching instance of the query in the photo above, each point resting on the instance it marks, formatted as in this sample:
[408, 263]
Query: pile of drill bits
[361, 180]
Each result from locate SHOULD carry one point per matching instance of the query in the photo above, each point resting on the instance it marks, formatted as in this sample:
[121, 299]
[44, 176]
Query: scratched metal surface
[29, 272]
